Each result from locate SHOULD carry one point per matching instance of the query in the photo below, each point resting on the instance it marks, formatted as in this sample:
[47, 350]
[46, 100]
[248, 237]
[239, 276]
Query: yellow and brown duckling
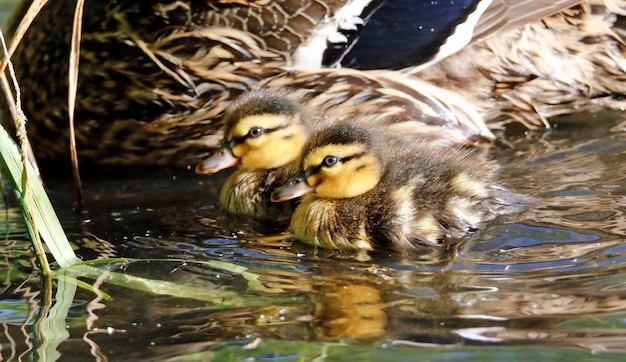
[368, 189]
[264, 133]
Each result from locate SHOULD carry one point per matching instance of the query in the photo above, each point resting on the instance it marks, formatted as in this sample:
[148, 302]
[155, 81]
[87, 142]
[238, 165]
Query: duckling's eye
[255, 132]
[330, 161]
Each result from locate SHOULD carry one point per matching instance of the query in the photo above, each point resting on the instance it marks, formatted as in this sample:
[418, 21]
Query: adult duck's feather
[402, 33]
[578, 65]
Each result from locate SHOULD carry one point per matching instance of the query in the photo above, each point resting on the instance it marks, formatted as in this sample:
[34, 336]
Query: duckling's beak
[295, 187]
[220, 160]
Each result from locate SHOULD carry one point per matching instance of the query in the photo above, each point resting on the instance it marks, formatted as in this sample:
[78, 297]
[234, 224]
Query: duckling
[266, 129]
[364, 188]
[263, 134]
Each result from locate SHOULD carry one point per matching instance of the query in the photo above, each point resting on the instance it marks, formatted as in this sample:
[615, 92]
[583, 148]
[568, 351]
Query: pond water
[195, 284]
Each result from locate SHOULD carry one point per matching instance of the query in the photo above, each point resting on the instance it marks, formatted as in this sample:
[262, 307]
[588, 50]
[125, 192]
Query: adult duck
[155, 78]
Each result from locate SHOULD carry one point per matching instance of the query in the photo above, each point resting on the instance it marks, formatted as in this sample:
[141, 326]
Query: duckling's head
[339, 162]
[264, 129]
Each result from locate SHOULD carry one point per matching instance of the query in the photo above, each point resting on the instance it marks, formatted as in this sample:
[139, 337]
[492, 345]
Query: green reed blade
[43, 215]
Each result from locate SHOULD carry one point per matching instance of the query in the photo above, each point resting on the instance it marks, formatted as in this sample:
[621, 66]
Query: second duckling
[368, 189]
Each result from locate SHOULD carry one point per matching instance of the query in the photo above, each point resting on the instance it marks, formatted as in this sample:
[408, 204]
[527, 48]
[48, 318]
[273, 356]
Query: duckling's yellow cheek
[330, 186]
[257, 143]
[258, 158]
[255, 153]
[240, 150]
[269, 153]
[350, 181]
[313, 180]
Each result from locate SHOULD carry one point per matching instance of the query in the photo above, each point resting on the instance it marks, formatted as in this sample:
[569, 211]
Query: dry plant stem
[30, 15]
[71, 98]
[6, 89]
[23, 26]
[27, 197]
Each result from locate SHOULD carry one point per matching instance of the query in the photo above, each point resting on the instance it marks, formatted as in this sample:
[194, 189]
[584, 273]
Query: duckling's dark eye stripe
[315, 169]
[242, 139]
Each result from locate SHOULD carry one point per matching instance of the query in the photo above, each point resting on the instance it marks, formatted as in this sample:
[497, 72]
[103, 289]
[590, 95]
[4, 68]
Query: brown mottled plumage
[573, 61]
[156, 77]
[368, 189]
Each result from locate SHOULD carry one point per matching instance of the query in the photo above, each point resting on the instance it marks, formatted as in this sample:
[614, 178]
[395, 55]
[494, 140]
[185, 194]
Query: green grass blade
[42, 212]
[221, 297]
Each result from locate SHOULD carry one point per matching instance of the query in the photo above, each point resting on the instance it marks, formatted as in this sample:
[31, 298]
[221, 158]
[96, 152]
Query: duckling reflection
[369, 189]
[355, 311]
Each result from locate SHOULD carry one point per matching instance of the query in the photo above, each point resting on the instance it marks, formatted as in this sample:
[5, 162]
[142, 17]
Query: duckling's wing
[403, 33]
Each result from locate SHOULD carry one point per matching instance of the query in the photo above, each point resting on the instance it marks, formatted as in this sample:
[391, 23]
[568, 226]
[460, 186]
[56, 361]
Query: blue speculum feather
[402, 33]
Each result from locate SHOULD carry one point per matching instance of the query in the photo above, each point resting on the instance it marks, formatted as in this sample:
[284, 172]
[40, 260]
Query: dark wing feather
[403, 33]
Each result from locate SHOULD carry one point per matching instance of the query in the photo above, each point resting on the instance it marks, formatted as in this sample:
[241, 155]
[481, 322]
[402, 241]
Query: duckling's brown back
[429, 193]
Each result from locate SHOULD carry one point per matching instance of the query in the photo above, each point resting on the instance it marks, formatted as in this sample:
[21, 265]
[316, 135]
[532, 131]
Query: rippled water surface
[197, 284]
